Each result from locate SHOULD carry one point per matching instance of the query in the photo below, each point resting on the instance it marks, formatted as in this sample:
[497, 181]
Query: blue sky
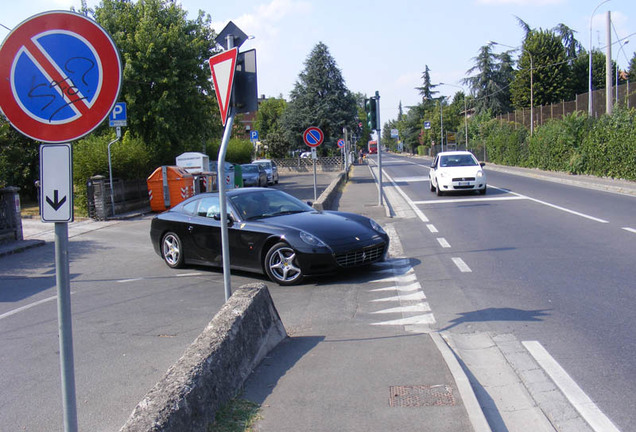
[384, 45]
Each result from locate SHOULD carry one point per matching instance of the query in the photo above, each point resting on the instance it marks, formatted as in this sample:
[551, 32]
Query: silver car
[254, 175]
[270, 168]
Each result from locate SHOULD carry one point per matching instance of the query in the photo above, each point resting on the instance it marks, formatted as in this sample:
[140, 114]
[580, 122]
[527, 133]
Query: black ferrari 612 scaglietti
[269, 232]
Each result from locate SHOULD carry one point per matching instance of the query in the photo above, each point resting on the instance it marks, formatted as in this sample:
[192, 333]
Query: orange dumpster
[168, 186]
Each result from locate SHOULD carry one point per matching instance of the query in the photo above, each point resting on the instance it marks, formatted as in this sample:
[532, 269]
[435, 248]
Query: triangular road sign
[222, 67]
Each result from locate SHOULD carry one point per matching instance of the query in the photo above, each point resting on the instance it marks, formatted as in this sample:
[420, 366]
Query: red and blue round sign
[60, 75]
[313, 136]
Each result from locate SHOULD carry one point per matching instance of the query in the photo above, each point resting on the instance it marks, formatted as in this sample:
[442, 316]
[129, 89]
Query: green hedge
[604, 147]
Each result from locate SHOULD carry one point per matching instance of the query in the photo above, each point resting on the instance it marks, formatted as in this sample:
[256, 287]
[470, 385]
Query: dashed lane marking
[461, 265]
[443, 242]
[631, 230]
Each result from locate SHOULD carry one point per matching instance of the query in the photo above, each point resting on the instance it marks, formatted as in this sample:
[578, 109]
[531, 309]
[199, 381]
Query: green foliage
[553, 145]
[544, 62]
[610, 147]
[268, 125]
[238, 151]
[19, 161]
[505, 142]
[165, 76]
[130, 160]
[319, 98]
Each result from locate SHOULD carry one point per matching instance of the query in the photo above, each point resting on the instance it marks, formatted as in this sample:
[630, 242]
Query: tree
[490, 86]
[543, 59]
[319, 98]
[580, 74]
[426, 91]
[165, 75]
[632, 68]
[267, 123]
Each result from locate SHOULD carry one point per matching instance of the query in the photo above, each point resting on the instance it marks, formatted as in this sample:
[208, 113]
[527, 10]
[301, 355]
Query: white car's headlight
[443, 174]
[480, 174]
[311, 240]
[376, 226]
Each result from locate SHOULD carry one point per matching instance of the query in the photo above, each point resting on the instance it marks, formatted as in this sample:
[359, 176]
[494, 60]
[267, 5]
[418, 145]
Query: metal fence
[626, 98]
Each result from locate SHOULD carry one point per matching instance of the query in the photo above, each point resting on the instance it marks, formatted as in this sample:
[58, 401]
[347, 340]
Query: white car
[457, 171]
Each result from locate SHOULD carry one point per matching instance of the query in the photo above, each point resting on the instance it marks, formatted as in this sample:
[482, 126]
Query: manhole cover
[421, 395]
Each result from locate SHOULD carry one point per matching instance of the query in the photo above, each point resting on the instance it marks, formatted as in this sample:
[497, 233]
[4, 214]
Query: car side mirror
[230, 219]
[433, 166]
[483, 164]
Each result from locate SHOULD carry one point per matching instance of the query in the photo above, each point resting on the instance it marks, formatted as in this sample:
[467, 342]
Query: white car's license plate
[464, 184]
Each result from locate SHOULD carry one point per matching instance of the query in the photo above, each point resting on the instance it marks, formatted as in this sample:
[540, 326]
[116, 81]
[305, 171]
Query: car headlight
[443, 174]
[480, 174]
[376, 226]
[311, 240]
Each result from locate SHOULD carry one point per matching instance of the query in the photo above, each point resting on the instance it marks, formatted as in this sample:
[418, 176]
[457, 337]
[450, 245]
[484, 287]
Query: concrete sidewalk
[340, 371]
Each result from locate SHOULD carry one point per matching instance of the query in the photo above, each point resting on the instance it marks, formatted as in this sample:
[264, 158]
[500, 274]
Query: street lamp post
[589, 90]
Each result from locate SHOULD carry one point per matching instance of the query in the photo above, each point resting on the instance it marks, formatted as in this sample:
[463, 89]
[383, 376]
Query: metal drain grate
[419, 396]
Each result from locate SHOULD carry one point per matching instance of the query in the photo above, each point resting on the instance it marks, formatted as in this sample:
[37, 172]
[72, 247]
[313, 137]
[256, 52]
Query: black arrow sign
[56, 204]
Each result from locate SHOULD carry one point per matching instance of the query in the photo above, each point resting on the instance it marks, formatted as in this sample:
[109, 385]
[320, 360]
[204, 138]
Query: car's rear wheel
[172, 250]
[281, 265]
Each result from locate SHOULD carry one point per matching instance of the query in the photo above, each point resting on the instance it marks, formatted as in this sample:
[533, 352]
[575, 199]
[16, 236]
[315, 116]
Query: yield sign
[222, 67]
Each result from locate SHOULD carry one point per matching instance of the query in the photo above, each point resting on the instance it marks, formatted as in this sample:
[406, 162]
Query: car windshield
[261, 204]
[252, 169]
[457, 161]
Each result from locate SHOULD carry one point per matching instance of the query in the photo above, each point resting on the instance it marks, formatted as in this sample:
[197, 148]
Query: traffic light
[372, 114]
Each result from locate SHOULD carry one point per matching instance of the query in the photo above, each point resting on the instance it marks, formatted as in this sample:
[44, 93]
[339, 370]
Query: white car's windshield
[457, 161]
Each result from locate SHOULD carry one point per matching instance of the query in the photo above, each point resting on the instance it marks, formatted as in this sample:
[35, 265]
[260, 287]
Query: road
[541, 261]
[133, 317]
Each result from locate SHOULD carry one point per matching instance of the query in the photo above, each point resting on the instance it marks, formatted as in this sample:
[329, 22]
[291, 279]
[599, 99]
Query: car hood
[331, 227]
[470, 171]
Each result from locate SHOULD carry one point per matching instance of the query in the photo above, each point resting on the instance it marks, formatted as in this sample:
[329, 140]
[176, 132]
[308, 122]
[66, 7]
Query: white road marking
[443, 242]
[473, 200]
[554, 206]
[408, 200]
[29, 306]
[414, 320]
[410, 179]
[461, 265]
[417, 296]
[432, 228]
[631, 230]
[577, 397]
[409, 277]
[420, 307]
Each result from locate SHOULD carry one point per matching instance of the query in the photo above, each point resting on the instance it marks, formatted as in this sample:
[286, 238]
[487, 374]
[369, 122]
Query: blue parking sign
[254, 135]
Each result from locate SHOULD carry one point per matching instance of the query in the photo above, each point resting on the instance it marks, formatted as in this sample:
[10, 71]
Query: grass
[238, 415]
[29, 209]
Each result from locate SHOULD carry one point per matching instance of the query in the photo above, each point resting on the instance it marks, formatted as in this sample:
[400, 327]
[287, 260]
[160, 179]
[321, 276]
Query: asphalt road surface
[542, 261]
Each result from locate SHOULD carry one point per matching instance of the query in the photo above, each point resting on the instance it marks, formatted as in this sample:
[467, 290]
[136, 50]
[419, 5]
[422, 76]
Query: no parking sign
[60, 75]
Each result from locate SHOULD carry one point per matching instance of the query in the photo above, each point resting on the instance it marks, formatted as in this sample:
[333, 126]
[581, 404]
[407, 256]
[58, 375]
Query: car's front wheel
[172, 250]
[438, 189]
[431, 186]
[281, 265]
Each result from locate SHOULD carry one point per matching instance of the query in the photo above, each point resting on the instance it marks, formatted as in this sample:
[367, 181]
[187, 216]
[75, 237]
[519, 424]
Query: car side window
[191, 207]
[209, 207]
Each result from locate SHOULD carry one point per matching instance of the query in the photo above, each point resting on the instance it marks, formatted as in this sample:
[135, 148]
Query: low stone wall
[214, 368]
[326, 198]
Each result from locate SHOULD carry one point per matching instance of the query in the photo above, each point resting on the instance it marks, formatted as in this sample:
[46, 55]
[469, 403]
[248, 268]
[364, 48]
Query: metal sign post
[379, 132]
[224, 69]
[313, 137]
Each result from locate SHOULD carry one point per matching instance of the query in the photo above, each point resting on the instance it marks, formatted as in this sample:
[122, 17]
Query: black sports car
[269, 232]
